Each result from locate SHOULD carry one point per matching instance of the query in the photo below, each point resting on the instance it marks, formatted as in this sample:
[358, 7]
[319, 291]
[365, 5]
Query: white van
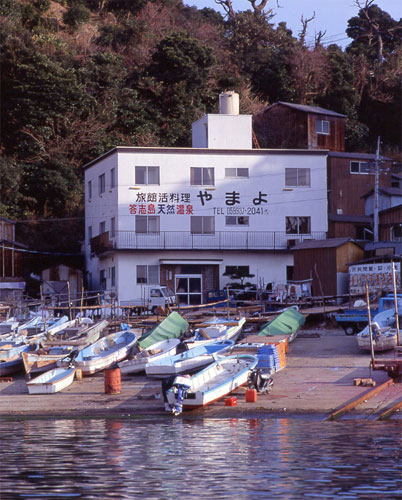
[153, 296]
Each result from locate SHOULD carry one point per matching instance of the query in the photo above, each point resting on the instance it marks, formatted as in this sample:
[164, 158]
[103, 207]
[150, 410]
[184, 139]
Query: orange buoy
[112, 381]
[231, 401]
[251, 396]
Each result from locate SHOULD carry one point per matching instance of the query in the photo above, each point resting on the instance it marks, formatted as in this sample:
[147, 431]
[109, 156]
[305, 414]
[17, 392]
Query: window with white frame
[202, 224]
[102, 183]
[298, 225]
[102, 227]
[202, 176]
[237, 173]
[232, 220]
[297, 177]
[112, 177]
[359, 167]
[322, 127]
[148, 176]
[147, 224]
[89, 190]
[148, 275]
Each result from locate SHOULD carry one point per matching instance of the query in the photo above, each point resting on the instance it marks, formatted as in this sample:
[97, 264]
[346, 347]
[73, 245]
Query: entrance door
[188, 289]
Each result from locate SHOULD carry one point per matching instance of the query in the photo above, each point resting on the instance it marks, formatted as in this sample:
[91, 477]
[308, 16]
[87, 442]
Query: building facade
[185, 217]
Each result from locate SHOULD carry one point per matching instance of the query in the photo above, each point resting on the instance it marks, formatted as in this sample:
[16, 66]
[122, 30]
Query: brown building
[10, 250]
[289, 125]
[325, 262]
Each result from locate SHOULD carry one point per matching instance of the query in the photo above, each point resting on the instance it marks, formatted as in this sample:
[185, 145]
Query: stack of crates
[282, 347]
[268, 358]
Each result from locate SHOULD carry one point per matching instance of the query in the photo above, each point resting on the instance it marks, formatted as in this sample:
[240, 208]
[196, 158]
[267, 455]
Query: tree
[373, 31]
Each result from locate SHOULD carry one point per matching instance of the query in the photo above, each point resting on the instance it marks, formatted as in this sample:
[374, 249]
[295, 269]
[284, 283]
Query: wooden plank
[386, 414]
[367, 395]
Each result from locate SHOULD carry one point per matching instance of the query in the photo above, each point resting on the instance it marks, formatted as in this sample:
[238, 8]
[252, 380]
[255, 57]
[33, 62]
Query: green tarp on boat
[287, 323]
[171, 327]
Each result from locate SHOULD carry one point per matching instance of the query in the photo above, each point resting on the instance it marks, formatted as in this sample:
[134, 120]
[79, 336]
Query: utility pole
[376, 185]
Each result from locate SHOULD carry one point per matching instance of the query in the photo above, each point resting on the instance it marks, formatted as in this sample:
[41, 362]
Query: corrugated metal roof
[330, 243]
[308, 109]
[349, 218]
[390, 191]
[357, 156]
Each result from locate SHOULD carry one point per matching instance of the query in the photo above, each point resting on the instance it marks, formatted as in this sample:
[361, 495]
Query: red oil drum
[112, 381]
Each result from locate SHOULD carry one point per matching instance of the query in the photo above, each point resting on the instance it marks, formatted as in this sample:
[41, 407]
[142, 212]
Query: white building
[183, 216]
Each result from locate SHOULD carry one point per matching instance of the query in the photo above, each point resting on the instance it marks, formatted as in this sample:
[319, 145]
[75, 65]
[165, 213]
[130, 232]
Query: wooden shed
[326, 263]
[10, 250]
[290, 125]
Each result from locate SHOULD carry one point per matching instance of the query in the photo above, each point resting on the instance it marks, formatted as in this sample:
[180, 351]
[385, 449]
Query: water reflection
[213, 458]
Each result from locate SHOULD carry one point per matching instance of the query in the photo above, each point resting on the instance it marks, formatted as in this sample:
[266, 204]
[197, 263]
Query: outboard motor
[260, 381]
[182, 386]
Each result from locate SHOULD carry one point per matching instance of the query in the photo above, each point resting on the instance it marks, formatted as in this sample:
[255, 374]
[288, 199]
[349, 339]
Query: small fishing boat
[44, 359]
[157, 351]
[51, 381]
[384, 331]
[8, 326]
[219, 329]
[11, 359]
[288, 322]
[105, 352]
[212, 383]
[188, 361]
[82, 333]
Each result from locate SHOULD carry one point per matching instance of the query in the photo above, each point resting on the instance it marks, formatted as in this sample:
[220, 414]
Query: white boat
[384, 332]
[188, 361]
[8, 326]
[44, 359]
[157, 351]
[219, 329]
[51, 381]
[212, 383]
[105, 352]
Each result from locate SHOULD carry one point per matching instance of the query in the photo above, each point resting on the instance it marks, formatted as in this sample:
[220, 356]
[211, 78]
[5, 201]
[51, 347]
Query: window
[89, 233]
[102, 184]
[113, 178]
[202, 224]
[297, 177]
[396, 232]
[102, 227]
[359, 167]
[298, 225]
[322, 127]
[202, 176]
[89, 190]
[236, 221]
[147, 175]
[113, 276]
[148, 275]
[241, 173]
[112, 227]
[147, 224]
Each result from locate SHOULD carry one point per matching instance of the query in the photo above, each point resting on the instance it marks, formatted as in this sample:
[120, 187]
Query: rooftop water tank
[229, 103]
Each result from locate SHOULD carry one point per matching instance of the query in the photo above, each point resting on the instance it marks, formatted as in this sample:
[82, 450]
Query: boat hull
[143, 359]
[51, 381]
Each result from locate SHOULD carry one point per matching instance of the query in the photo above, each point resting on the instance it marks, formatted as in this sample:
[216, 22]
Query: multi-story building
[185, 217]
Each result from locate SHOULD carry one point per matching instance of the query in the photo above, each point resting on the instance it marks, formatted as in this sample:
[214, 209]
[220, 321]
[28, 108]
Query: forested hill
[81, 76]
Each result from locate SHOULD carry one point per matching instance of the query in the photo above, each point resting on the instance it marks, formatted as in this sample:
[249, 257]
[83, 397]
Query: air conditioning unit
[292, 243]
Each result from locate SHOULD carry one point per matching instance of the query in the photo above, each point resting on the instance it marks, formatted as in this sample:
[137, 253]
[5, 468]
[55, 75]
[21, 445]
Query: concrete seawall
[318, 379]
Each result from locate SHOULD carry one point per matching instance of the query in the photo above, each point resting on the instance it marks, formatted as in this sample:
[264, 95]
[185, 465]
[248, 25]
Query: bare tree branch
[227, 7]
[318, 37]
[302, 34]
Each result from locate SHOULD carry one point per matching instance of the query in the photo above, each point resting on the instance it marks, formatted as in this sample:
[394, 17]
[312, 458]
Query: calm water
[212, 458]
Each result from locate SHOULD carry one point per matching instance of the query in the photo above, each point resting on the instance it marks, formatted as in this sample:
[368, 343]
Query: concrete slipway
[318, 379]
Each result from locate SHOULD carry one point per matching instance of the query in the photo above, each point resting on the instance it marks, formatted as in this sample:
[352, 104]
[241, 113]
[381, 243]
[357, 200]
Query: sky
[330, 15]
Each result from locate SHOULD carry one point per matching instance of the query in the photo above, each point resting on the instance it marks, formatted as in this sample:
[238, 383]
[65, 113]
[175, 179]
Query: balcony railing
[184, 240]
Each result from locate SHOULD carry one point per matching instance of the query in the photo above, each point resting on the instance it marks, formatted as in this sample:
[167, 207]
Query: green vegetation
[81, 76]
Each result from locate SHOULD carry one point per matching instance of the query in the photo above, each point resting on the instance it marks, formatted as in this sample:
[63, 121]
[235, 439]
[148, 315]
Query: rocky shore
[322, 365]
